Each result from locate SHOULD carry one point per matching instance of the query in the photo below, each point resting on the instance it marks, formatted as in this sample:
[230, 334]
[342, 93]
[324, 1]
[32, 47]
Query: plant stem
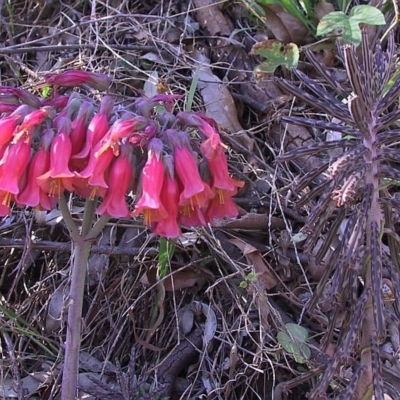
[69, 222]
[71, 361]
[81, 243]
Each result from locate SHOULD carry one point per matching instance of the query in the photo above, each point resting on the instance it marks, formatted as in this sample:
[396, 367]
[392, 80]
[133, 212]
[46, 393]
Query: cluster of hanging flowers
[174, 164]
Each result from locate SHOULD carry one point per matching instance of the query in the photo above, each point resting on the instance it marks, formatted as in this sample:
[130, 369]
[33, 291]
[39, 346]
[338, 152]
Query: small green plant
[251, 277]
[285, 52]
[276, 55]
[294, 341]
[349, 25]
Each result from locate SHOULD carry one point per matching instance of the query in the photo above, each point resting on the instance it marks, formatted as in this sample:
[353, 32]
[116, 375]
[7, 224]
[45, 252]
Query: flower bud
[23, 95]
[97, 128]
[72, 78]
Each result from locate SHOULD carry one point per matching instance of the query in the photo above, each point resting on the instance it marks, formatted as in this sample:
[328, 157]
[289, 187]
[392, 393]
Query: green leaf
[243, 284]
[252, 276]
[349, 25]
[367, 15]
[46, 91]
[352, 33]
[332, 21]
[294, 342]
[269, 2]
[297, 331]
[276, 54]
[167, 249]
[299, 351]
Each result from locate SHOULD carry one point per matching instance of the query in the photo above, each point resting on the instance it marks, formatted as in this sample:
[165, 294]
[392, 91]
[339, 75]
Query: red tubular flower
[36, 117]
[220, 177]
[95, 171]
[169, 226]
[150, 204]
[15, 162]
[221, 206]
[98, 127]
[9, 124]
[78, 128]
[32, 195]
[76, 77]
[211, 146]
[121, 129]
[195, 193]
[223, 185]
[7, 128]
[114, 203]
[192, 216]
[145, 107]
[3, 153]
[207, 126]
[60, 153]
[167, 99]
[31, 120]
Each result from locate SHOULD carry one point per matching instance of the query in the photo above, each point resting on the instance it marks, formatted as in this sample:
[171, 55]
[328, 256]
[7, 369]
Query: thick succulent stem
[75, 301]
[81, 243]
[373, 324]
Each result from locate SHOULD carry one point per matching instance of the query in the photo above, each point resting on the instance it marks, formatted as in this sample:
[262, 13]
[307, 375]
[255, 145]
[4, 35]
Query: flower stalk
[70, 145]
[81, 244]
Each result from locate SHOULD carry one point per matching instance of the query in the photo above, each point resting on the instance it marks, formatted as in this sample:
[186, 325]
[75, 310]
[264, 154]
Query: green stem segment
[81, 243]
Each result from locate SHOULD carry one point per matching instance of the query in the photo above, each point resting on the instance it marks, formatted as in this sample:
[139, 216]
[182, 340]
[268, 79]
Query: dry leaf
[217, 99]
[253, 221]
[185, 320]
[285, 27]
[55, 308]
[210, 326]
[211, 18]
[323, 8]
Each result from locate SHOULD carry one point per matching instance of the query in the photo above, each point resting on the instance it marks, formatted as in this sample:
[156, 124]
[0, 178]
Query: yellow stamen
[221, 197]
[55, 187]
[148, 216]
[93, 193]
[6, 199]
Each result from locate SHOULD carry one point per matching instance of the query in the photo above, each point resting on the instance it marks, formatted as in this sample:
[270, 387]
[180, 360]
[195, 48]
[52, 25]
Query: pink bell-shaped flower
[121, 171]
[169, 226]
[9, 124]
[79, 126]
[97, 128]
[14, 164]
[32, 195]
[152, 179]
[60, 154]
